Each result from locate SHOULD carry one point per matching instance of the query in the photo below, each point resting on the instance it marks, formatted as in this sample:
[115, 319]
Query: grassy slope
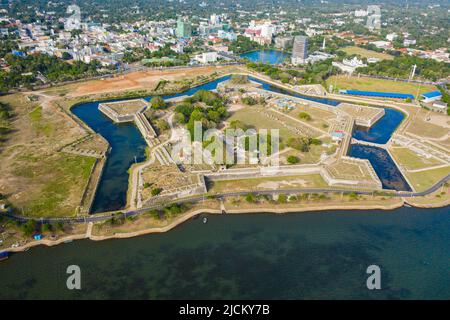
[37, 178]
[366, 53]
[355, 83]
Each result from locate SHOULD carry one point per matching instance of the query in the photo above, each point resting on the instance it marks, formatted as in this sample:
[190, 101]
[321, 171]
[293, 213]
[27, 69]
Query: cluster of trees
[158, 103]
[304, 116]
[6, 46]
[293, 159]
[32, 227]
[251, 101]
[24, 71]
[445, 98]
[303, 144]
[204, 106]
[273, 72]
[400, 67]
[332, 44]
[318, 72]
[169, 211]
[156, 191]
[138, 54]
[5, 115]
[243, 44]
[239, 79]
[312, 73]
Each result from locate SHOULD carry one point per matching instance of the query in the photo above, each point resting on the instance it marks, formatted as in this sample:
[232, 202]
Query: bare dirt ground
[35, 176]
[147, 80]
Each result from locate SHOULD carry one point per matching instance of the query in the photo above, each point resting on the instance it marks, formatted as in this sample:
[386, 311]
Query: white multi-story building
[229, 35]
[349, 65]
[299, 50]
[206, 57]
[391, 36]
[409, 42]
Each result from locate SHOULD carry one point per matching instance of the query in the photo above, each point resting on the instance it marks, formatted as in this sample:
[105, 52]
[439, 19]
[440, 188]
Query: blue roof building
[18, 53]
[392, 95]
[38, 237]
[431, 96]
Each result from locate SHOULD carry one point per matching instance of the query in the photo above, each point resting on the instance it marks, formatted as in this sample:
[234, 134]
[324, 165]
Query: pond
[266, 56]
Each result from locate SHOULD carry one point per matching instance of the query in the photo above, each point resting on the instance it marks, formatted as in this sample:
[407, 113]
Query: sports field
[380, 85]
[411, 160]
[366, 53]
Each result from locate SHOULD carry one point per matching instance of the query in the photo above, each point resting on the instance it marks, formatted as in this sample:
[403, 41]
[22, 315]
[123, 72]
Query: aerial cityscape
[221, 142]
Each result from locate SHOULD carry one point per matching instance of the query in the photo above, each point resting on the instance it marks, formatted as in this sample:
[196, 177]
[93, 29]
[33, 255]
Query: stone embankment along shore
[192, 214]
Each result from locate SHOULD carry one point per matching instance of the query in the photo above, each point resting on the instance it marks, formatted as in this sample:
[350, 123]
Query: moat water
[266, 56]
[385, 168]
[255, 256]
[382, 130]
[128, 146]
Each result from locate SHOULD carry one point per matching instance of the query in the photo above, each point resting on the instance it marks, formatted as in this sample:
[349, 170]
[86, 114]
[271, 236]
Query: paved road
[107, 216]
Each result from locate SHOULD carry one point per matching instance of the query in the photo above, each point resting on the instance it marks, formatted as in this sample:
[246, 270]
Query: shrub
[304, 116]
[282, 198]
[293, 159]
[156, 191]
[250, 198]
[158, 103]
[239, 79]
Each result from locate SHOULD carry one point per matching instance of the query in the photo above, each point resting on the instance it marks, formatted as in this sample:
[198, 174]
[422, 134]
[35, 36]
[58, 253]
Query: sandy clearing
[145, 80]
[278, 184]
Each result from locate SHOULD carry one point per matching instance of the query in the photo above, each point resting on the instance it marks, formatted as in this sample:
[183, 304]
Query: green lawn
[59, 183]
[425, 179]
[255, 118]
[381, 85]
[411, 160]
[39, 123]
[309, 181]
[366, 53]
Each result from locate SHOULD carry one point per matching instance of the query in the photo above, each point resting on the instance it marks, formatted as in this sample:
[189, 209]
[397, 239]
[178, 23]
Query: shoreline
[190, 215]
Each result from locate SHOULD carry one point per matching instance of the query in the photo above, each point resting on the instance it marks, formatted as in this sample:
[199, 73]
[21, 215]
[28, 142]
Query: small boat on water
[4, 255]
[68, 241]
[205, 220]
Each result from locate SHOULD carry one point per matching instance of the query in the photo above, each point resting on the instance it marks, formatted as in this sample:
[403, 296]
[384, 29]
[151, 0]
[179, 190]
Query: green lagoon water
[257, 256]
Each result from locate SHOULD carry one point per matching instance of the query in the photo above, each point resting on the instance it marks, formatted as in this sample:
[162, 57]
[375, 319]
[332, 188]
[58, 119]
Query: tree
[46, 227]
[29, 227]
[162, 125]
[301, 144]
[304, 116]
[293, 159]
[179, 118]
[66, 56]
[282, 198]
[250, 198]
[158, 103]
[239, 79]
[156, 191]
[249, 100]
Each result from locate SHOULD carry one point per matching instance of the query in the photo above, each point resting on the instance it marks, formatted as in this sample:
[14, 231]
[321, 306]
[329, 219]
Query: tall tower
[323, 44]
[413, 72]
[183, 28]
[299, 50]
